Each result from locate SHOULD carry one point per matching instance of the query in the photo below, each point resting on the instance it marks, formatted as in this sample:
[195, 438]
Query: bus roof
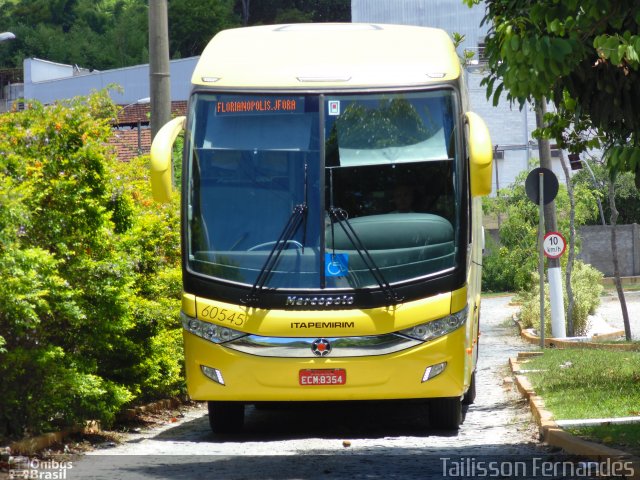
[329, 55]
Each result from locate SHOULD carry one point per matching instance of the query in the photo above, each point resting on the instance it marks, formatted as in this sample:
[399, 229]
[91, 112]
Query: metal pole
[541, 257]
[159, 82]
[495, 163]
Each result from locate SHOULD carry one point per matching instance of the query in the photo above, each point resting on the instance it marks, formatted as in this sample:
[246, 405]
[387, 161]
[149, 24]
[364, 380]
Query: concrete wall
[596, 248]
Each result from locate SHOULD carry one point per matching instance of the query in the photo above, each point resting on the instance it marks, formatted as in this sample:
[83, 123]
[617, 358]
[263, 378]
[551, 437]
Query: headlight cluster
[437, 328]
[209, 331]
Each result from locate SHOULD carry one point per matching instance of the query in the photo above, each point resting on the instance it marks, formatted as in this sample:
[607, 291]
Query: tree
[627, 196]
[94, 34]
[284, 11]
[192, 23]
[584, 55]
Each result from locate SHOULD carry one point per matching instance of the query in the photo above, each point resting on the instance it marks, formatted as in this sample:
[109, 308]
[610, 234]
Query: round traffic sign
[554, 245]
[549, 184]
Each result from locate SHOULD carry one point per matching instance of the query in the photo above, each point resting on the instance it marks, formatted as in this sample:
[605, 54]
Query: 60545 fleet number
[223, 315]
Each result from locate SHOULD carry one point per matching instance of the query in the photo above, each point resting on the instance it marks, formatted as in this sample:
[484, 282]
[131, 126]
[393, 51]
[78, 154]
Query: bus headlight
[437, 328]
[209, 331]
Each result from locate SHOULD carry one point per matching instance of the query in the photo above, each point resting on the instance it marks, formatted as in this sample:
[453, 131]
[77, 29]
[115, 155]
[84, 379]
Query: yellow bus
[331, 219]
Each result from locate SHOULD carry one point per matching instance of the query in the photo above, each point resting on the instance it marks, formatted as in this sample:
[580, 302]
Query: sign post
[554, 246]
[541, 187]
[541, 254]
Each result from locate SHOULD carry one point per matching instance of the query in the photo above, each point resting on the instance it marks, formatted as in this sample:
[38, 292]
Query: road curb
[530, 337]
[554, 435]
[154, 407]
[32, 445]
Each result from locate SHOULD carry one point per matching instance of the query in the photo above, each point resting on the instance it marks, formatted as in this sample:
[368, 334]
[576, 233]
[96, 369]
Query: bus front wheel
[470, 396]
[226, 417]
[445, 413]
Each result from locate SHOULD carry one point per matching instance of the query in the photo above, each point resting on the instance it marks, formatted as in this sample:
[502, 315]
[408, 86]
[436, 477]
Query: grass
[592, 383]
[622, 437]
[577, 384]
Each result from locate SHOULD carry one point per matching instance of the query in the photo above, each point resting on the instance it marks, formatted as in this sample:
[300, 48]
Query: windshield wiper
[298, 216]
[295, 219]
[341, 217]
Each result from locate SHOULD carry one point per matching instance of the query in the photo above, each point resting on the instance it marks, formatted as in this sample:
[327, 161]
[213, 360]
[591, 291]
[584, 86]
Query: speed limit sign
[554, 245]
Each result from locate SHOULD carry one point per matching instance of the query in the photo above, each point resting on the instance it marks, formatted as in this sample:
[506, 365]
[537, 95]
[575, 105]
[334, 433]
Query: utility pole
[245, 12]
[554, 272]
[159, 81]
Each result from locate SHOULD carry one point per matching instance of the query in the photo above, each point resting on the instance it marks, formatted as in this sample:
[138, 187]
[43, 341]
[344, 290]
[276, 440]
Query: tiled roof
[125, 140]
[131, 114]
[125, 143]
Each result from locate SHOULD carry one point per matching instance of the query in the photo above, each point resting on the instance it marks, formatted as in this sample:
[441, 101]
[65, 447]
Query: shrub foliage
[89, 302]
[586, 284]
[508, 266]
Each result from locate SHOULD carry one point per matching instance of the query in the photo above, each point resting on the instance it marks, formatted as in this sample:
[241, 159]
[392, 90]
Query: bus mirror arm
[161, 150]
[480, 151]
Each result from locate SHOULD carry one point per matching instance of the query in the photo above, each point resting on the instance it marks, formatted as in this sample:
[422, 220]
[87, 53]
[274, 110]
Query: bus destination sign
[258, 105]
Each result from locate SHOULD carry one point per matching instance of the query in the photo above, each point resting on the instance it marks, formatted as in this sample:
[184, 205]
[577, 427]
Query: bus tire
[226, 417]
[470, 396]
[445, 413]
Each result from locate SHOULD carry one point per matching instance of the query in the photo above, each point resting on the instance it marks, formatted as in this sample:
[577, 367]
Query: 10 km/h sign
[554, 245]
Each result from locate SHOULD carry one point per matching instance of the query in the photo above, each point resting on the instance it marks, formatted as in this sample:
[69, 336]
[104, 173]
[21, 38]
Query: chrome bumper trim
[291, 347]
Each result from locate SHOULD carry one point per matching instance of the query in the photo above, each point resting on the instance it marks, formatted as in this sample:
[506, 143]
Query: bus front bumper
[217, 373]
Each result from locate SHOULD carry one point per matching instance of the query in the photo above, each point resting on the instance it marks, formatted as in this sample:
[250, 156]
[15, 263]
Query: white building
[48, 81]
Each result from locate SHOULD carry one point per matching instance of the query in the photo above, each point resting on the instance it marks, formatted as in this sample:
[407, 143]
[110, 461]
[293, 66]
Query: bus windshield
[370, 179]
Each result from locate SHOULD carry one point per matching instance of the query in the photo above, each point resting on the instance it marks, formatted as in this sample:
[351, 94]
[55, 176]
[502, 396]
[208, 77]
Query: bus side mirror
[161, 150]
[480, 151]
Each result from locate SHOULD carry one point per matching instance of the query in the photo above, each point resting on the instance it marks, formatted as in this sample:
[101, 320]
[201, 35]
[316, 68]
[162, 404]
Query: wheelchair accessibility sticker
[334, 107]
[336, 264]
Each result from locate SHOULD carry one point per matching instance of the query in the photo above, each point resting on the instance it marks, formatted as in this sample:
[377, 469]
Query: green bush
[506, 269]
[586, 283]
[627, 195]
[44, 388]
[90, 297]
[508, 266]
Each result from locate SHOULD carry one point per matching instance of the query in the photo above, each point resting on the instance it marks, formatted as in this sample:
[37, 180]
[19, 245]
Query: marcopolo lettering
[339, 300]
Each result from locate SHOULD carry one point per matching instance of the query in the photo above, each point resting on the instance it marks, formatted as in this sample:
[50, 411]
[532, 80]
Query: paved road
[345, 441]
[611, 312]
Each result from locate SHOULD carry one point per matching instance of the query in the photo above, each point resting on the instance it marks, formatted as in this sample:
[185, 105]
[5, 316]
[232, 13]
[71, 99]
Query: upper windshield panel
[388, 129]
[389, 170]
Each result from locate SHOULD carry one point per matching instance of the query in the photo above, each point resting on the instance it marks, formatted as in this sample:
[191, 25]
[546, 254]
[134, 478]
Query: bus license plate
[334, 376]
